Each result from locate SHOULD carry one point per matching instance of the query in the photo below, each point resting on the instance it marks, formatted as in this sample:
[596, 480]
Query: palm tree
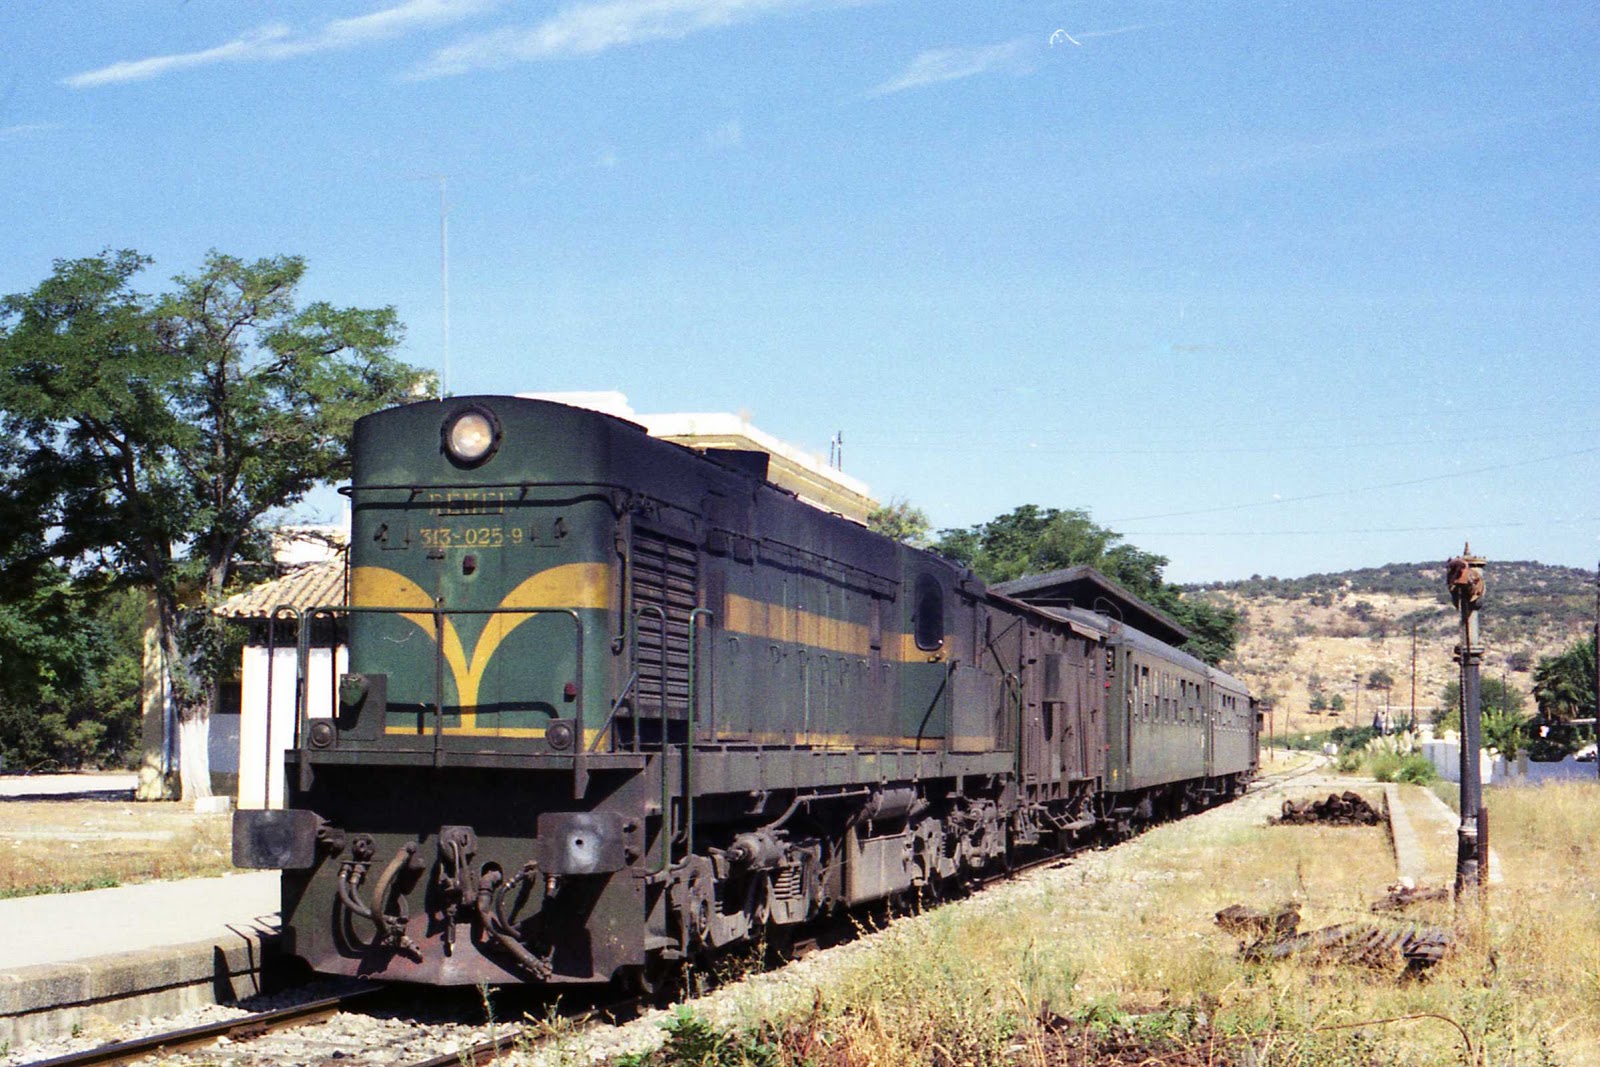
[1563, 684]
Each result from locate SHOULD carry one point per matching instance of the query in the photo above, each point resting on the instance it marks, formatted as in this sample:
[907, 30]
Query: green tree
[69, 694]
[1504, 731]
[1498, 702]
[160, 431]
[1034, 540]
[899, 520]
[1563, 684]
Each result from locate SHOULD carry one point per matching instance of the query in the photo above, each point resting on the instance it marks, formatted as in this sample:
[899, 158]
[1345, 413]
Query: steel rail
[242, 1029]
[474, 1055]
[491, 1049]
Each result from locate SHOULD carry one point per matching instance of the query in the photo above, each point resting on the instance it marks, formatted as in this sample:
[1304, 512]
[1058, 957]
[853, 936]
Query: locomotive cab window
[928, 622]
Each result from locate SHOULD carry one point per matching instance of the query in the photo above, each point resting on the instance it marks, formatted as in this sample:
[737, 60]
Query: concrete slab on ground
[117, 786]
[1424, 832]
[61, 927]
[109, 955]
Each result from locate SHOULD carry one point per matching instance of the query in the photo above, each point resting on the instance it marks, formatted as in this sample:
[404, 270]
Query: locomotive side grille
[665, 575]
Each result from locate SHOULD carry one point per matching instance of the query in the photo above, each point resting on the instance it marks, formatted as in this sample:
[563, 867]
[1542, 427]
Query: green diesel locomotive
[613, 704]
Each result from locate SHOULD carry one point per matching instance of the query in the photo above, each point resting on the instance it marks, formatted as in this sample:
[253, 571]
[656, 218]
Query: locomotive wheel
[658, 982]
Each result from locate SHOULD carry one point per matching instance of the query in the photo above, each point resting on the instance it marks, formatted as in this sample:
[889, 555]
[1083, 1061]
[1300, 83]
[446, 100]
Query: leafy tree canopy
[899, 520]
[1563, 684]
[1035, 540]
[1505, 727]
[152, 434]
[69, 693]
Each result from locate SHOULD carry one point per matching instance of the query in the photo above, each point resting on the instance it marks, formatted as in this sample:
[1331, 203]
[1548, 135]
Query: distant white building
[259, 735]
[805, 474]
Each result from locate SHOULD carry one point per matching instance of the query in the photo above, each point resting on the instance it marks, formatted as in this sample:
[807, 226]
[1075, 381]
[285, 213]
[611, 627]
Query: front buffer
[519, 894]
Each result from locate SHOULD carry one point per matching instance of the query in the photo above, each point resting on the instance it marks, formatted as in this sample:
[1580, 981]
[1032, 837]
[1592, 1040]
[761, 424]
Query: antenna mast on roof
[444, 282]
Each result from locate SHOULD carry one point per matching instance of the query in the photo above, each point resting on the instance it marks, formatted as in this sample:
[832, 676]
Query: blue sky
[1270, 288]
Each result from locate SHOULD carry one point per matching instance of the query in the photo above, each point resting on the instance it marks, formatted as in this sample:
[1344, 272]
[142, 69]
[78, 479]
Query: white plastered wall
[256, 758]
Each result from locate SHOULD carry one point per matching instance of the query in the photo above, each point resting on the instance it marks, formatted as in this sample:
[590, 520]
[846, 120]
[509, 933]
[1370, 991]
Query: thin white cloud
[277, 41]
[939, 65]
[1089, 35]
[588, 28]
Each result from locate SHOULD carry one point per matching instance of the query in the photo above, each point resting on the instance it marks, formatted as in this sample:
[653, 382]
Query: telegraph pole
[1464, 577]
[1413, 722]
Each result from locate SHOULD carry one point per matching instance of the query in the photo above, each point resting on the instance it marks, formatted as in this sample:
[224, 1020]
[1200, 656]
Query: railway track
[1279, 779]
[372, 1025]
[330, 1030]
[189, 1039]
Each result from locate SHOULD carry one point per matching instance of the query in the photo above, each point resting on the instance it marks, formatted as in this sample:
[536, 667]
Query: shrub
[1351, 737]
[1384, 765]
[1416, 769]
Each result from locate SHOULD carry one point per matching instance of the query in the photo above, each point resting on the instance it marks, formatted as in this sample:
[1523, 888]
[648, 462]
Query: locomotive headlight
[471, 436]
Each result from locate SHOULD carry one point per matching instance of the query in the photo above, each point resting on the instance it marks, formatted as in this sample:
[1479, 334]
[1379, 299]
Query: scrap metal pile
[1413, 946]
[1362, 944]
[1340, 809]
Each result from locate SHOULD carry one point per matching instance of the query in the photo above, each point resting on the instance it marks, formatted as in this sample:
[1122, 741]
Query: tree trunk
[194, 757]
[191, 705]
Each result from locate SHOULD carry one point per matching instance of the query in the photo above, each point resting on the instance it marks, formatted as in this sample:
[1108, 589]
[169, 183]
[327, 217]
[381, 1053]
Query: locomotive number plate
[470, 536]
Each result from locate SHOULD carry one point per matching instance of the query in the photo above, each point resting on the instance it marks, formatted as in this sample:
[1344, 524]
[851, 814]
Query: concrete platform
[108, 786]
[110, 955]
[1423, 829]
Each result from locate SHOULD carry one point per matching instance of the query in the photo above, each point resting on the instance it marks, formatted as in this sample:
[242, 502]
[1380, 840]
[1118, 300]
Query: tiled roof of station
[312, 586]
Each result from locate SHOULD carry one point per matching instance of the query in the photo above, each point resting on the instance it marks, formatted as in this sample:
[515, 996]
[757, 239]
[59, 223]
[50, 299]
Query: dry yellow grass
[1128, 937]
[54, 845]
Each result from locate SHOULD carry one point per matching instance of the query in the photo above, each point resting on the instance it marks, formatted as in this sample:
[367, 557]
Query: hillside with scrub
[1333, 649]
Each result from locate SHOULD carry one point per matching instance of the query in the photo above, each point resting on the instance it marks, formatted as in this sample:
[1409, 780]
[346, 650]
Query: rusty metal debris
[1403, 896]
[1279, 922]
[1362, 944]
[1346, 809]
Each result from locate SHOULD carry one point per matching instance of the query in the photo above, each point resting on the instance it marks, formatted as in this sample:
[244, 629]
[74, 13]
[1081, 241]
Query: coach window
[929, 621]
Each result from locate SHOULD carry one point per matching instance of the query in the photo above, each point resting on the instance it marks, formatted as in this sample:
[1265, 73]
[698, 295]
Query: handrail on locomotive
[439, 613]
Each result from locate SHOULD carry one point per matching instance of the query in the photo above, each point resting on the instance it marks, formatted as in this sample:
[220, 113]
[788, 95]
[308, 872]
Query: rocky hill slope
[1330, 633]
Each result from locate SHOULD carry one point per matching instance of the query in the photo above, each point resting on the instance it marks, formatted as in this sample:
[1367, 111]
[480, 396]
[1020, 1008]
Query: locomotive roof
[1086, 588]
